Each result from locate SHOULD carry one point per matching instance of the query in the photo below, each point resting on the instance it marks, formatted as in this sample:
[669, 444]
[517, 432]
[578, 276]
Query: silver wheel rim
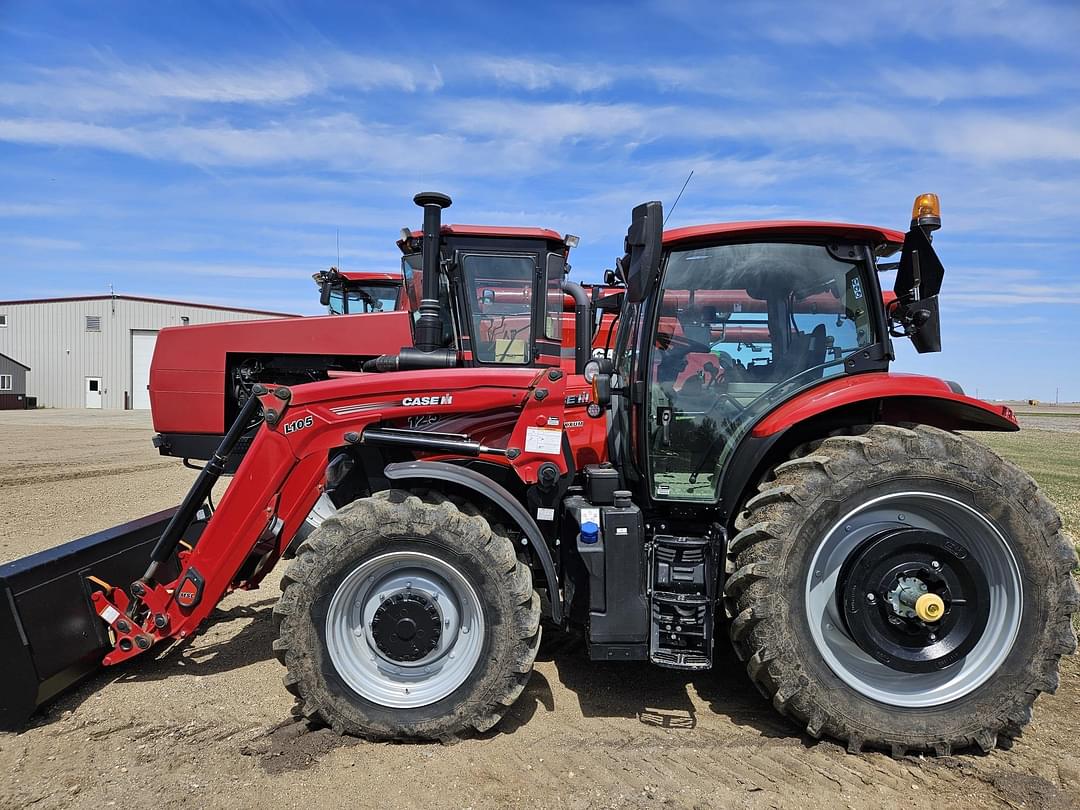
[932, 512]
[399, 684]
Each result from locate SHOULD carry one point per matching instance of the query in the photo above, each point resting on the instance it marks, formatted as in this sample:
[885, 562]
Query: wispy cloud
[531, 74]
[120, 87]
[949, 83]
[1022, 22]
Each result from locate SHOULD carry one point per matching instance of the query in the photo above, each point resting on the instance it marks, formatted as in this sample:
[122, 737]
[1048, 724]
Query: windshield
[500, 306]
[738, 327]
[353, 298]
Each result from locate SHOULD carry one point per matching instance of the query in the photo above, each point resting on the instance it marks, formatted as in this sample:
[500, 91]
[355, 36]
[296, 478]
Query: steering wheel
[681, 344]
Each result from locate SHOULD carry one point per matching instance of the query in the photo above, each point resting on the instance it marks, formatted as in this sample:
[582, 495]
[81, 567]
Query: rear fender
[910, 397]
[859, 399]
[496, 495]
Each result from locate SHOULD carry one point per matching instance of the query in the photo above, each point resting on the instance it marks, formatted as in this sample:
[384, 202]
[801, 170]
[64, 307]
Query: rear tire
[810, 656]
[394, 561]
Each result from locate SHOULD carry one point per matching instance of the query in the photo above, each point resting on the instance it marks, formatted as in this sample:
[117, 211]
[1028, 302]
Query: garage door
[142, 352]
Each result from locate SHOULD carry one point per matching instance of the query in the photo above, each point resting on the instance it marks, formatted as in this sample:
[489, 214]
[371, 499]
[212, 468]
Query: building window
[3, 321]
[93, 323]
[5, 382]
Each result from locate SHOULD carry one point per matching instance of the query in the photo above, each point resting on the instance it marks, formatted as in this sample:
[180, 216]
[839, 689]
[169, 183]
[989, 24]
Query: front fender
[497, 495]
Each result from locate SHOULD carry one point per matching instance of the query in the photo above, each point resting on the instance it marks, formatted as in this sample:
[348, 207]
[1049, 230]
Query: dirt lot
[208, 724]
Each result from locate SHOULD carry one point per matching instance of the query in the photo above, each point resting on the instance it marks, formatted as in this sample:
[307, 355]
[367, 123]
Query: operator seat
[805, 352]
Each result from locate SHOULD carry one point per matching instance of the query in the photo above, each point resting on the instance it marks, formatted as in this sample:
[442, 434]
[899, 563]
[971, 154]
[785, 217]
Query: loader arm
[282, 474]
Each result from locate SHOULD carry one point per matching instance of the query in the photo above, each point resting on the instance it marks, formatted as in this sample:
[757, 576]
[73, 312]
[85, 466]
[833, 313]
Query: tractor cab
[351, 292]
[724, 323]
[742, 316]
[500, 291]
[486, 295]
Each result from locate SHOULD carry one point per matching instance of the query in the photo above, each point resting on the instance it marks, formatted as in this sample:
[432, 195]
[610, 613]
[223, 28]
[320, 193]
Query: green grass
[1052, 459]
[1056, 414]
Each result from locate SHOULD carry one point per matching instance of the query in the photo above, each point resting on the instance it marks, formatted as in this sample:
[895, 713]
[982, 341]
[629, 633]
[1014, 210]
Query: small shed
[12, 384]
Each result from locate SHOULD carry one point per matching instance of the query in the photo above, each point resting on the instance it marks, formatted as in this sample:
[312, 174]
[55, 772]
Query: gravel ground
[207, 724]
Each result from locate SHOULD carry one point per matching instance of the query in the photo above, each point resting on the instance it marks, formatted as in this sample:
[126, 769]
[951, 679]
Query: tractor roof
[370, 275]
[736, 230]
[509, 231]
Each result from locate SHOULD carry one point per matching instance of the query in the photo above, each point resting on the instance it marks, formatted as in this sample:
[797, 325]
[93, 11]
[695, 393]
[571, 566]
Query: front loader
[887, 581]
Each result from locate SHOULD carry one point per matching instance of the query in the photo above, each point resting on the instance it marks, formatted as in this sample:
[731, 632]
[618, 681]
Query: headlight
[592, 371]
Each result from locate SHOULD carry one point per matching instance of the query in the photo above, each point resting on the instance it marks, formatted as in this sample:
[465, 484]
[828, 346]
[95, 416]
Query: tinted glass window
[500, 292]
[738, 327]
[553, 316]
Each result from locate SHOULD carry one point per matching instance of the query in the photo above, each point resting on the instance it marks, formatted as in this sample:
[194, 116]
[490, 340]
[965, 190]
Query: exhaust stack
[428, 331]
[429, 324]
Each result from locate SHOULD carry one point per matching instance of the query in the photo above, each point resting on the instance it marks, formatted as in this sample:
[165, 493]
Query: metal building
[95, 351]
[12, 383]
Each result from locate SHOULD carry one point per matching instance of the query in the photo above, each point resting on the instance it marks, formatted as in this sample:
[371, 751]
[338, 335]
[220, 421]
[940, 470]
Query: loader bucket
[50, 635]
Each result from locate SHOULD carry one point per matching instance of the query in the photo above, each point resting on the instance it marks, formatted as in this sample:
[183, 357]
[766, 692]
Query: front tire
[406, 618]
[829, 558]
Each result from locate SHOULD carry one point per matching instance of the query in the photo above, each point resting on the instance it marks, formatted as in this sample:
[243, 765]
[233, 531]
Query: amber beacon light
[926, 212]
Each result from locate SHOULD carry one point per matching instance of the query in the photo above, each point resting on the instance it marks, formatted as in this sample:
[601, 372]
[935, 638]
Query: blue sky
[211, 151]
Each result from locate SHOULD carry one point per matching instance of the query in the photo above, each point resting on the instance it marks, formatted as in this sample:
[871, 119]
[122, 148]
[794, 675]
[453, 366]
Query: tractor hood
[187, 376]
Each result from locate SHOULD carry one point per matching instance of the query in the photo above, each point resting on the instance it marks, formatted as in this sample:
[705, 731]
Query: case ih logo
[443, 399]
[187, 594]
[582, 398]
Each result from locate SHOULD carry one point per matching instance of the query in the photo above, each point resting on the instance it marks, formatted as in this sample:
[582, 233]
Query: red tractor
[887, 580]
[202, 375]
[354, 292]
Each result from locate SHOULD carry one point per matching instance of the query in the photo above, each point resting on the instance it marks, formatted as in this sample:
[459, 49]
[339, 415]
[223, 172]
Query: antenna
[337, 243]
[679, 197]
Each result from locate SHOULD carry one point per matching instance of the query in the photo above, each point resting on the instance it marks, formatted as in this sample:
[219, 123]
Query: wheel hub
[913, 599]
[406, 626]
[930, 607]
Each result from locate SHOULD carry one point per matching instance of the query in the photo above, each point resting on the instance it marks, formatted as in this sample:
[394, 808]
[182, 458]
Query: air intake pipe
[582, 325]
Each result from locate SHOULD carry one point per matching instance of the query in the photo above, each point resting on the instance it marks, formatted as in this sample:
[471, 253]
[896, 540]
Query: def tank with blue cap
[590, 545]
[609, 541]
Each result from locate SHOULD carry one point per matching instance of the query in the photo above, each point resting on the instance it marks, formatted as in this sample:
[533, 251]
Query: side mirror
[324, 293]
[610, 303]
[920, 272]
[643, 245]
[918, 282]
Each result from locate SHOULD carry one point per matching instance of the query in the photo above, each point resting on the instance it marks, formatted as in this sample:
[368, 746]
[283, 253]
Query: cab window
[360, 298]
[500, 295]
[738, 327]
